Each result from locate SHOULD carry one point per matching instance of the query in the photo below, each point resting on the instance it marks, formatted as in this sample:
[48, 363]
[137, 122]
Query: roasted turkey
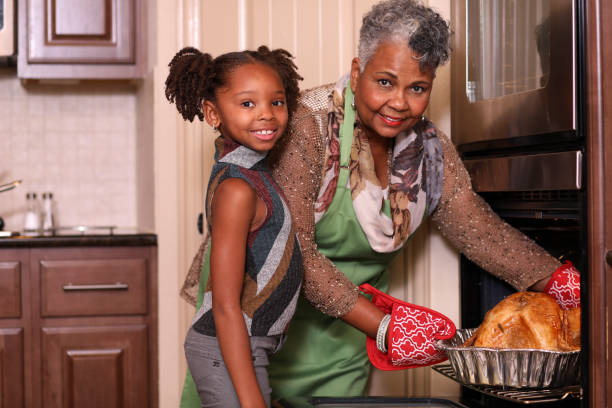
[529, 320]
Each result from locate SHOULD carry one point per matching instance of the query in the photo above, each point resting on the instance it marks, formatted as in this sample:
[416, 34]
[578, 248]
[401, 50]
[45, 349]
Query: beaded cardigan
[461, 215]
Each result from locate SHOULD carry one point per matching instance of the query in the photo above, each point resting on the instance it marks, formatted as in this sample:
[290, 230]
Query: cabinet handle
[609, 258]
[111, 286]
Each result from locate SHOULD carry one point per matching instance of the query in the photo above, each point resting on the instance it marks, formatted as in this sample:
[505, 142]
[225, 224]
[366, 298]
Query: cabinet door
[95, 367]
[15, 376]
[80, 39]
[10, 288]
[11, 368]
[76, 31]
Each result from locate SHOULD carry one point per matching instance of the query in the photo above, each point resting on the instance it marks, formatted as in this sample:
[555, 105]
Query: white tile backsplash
[77, 141]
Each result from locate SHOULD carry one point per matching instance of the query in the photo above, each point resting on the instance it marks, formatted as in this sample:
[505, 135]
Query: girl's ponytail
[188, 83]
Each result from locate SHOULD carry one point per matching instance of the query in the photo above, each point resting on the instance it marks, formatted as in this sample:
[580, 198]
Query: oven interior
[556, 220]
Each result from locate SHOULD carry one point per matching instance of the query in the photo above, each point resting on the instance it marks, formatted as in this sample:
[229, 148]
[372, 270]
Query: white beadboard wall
[77, 141]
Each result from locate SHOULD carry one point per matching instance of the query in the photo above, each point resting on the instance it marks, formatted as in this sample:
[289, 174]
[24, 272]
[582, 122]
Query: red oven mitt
[564, 286]
[412, 332]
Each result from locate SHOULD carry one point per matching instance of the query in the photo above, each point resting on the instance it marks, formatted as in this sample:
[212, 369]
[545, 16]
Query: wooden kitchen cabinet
[14, 322]
[11, 360]
[78, 327]
[95, 39]
[95, 366]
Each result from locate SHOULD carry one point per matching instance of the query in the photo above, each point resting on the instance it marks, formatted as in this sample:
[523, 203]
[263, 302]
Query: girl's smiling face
[392, 92]
[251, 109]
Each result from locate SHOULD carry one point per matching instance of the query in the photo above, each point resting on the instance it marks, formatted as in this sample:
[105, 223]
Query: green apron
[189, 396]
[323, 355]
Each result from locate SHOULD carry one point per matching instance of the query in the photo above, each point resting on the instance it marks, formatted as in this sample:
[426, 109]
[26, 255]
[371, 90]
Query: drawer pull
[111, 286]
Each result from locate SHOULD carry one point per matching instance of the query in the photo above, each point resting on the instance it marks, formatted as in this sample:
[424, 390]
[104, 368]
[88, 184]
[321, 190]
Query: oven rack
[521, 396]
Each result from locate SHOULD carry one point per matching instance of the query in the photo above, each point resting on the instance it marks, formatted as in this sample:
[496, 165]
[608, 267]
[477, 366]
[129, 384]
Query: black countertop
[116, 237]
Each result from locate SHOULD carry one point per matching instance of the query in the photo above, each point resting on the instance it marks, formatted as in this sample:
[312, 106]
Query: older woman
[362, 168]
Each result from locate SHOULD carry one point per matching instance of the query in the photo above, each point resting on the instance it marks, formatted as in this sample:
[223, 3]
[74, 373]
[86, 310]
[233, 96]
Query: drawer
[10, 289]
[93, 287]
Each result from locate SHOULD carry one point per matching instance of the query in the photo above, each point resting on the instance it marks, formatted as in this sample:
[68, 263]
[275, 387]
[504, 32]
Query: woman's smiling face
[392, 92]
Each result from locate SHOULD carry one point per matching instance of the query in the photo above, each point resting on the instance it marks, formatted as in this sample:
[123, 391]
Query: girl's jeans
[211, 376]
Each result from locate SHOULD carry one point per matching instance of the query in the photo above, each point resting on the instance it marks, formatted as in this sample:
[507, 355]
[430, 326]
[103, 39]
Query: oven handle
[535, 172]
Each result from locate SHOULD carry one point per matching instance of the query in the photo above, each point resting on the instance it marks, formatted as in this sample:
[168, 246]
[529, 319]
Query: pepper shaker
[48, 223]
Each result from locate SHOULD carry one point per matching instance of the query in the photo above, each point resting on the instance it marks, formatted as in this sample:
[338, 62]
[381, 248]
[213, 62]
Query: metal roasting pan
[513, 368]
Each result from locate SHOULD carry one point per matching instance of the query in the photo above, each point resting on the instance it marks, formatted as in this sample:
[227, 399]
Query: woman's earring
[423, 118]
[353, 103]
[214, 128]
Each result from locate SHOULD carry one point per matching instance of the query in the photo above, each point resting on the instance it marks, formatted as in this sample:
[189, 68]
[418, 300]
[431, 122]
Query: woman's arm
[469, 223]
[233, 213]
[297, 165]
[365, 317]
[298, 168]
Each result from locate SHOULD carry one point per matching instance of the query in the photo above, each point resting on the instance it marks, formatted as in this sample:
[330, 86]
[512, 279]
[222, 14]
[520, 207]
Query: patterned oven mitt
[564, 286]
[412, 332]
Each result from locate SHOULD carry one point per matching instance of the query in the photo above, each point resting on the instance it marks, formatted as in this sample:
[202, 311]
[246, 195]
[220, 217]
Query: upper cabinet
[93, 39]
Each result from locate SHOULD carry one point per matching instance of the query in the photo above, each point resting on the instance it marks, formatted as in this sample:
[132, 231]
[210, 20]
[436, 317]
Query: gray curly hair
[408, 21]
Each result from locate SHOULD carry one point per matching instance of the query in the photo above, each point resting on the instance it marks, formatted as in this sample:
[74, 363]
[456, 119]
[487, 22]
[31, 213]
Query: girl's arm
[233, 212]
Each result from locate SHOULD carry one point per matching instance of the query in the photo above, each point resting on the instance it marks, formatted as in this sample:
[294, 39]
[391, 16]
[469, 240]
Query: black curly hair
[195, 76]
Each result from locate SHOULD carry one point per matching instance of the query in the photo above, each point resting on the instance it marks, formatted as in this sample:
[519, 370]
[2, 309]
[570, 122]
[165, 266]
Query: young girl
[255, 261]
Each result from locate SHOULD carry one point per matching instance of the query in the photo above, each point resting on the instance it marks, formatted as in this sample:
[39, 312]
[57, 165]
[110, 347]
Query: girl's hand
[234, 211]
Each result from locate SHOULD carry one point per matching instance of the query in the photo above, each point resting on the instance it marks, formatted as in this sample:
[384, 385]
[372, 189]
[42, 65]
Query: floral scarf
[415, 178]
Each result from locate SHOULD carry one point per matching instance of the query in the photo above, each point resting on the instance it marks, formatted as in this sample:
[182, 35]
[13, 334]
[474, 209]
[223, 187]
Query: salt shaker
[31, 223]
[48, 223]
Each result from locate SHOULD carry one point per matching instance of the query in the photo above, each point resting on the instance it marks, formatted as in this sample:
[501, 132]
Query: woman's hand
[564, 286]
[412, 332]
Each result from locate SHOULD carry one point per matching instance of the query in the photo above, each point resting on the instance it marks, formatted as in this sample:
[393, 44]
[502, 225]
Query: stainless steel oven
[516, 110]
[514, 70]
[518, 122]
[555, 220]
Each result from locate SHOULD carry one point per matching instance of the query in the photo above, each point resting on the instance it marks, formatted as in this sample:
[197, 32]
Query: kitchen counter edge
[142, 239]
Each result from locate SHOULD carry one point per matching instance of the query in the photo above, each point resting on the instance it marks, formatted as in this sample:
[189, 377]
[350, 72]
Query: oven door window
[508, 47]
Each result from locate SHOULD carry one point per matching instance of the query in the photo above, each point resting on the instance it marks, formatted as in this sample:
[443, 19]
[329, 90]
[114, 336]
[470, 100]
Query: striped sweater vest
[273, 263]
